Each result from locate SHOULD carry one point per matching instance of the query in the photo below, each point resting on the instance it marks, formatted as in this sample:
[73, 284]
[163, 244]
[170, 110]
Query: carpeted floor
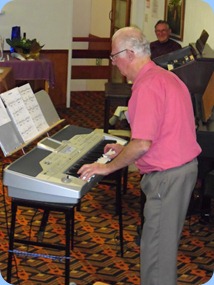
[96, 254]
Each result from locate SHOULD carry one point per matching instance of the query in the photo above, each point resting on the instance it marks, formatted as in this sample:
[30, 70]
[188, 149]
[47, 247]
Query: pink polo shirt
[160, 109]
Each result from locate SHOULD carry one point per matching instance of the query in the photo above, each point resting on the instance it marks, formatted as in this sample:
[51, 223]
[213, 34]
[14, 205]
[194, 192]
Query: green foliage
[25, 46]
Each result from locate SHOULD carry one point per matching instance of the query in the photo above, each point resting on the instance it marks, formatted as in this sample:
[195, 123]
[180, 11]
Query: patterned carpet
[96, 253]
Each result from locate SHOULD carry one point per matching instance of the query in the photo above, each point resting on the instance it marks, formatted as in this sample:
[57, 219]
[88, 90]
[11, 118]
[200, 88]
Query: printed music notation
[33, 107]
[19, 114]
[24, 111]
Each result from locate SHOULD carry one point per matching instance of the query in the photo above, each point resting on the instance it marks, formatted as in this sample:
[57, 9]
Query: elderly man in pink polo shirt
[164, 148]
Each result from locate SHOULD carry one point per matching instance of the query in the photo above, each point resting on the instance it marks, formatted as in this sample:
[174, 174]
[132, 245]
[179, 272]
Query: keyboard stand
[117, 179]
[67, 209]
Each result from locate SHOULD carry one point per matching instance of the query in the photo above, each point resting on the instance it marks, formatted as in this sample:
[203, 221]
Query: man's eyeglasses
[112, 56]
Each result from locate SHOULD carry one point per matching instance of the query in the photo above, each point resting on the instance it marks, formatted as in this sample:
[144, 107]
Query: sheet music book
[19, 114]
[23, 117]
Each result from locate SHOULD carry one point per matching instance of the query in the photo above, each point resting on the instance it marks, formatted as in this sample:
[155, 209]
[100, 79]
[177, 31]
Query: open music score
[19, 114]
[22, 117]
[33, 107]
[25, 111]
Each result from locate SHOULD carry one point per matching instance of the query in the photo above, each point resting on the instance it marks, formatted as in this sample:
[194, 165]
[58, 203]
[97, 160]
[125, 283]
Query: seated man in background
[163, 44]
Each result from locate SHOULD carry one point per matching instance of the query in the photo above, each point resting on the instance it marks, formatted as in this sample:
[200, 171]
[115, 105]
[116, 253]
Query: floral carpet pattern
[96, 254]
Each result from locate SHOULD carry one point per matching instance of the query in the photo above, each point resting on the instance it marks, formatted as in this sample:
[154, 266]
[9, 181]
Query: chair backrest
[7, 80]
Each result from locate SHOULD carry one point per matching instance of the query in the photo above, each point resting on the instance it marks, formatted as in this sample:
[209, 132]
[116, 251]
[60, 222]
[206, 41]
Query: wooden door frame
[112, 13]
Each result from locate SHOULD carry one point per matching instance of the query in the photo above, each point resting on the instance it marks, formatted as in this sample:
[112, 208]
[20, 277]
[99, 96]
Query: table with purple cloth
[31, 70]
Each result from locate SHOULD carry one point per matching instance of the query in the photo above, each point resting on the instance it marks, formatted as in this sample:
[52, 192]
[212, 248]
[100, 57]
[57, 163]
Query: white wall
[100, 22]
[81, 18]
[49, 21]
[199, 16]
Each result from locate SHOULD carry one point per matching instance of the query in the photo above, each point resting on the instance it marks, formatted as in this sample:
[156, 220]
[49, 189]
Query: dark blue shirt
[158, 49]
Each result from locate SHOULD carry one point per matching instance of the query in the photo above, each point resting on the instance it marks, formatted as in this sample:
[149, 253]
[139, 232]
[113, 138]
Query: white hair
[132, 38]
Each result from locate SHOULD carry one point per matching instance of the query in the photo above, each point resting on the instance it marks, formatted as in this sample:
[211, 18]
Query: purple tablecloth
[40, 69]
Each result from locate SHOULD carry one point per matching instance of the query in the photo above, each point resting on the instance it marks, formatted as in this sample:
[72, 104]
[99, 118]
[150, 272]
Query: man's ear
[130, 54]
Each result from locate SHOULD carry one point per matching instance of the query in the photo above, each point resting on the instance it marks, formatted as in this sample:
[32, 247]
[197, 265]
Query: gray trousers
[167, 198]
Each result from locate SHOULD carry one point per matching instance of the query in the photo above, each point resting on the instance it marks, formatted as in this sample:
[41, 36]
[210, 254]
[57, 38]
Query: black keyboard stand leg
[11, 241]
[69, 230]
[43, 225]
[72, 228]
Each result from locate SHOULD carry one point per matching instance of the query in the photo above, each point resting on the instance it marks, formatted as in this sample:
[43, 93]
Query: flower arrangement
[25, 47]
